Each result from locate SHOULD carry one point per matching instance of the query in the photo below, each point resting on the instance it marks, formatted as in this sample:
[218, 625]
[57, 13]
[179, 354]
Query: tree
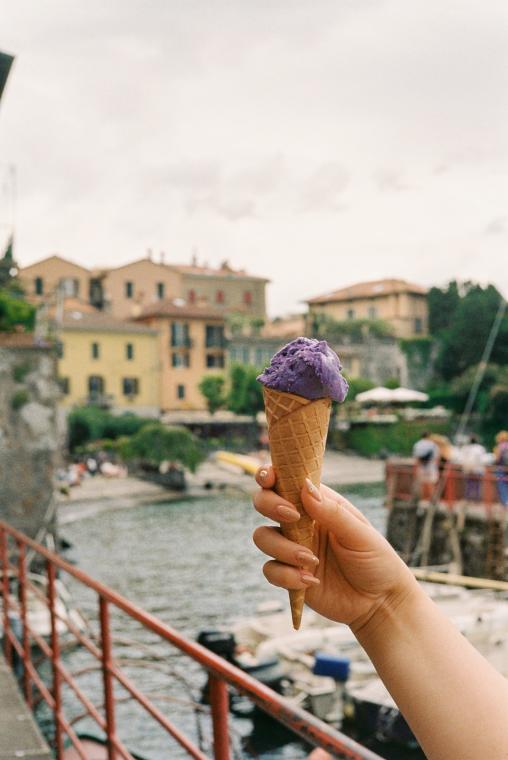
[212, 388]
[14, 312]
[442, 305]
[245, 391]
[462, 342]
[156, 443]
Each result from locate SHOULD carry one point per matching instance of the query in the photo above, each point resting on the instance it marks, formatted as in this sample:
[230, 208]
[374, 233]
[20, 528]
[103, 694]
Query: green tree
[245, 391]
[358, 385]
[442, 303]
[212, 388]
[14, 312]
[156, 443]
[462, 342]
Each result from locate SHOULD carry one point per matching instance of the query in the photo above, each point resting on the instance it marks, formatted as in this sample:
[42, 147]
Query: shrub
[19, 399]
[156, 443]
[397, 438]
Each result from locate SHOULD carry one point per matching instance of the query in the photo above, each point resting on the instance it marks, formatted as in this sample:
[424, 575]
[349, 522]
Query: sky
[315, 143]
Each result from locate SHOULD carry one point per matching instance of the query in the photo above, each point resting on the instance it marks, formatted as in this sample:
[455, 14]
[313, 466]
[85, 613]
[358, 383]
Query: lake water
[193, 564]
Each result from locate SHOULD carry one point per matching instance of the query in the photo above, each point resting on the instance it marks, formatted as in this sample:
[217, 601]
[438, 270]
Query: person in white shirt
[426, 452]
[472, 457]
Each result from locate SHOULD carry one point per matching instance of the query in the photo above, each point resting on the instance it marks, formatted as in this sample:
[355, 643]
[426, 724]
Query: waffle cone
[297, 429]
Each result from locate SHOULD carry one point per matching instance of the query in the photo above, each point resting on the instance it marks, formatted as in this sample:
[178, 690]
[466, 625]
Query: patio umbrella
[378, 395]
[408, 396]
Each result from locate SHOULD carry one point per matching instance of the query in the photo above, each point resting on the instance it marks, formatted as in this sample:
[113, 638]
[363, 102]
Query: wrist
[389, 612]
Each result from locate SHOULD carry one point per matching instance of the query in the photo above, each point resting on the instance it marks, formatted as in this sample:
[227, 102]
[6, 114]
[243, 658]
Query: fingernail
[308, 578]
[263, 474]
[311, 488]
[306, 557]
[286, 513]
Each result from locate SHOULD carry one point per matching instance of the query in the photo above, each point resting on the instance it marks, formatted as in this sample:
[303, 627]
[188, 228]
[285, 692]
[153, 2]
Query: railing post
[24, 621]
[55, 660]
[109, 697]
[219, 701]
[5, 595]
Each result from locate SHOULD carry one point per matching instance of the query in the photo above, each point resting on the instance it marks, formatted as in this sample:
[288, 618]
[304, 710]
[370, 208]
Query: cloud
[497, 226]
[324, 187]
[390, 180]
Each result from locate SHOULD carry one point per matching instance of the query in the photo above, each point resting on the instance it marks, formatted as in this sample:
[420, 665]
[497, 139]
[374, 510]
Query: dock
[19, 734]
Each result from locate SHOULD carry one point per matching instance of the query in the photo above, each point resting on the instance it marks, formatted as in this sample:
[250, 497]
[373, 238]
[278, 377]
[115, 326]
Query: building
[43, 280]
[126, 290]
[109, 362]
[257, 346]
[225, 289]
[401, 304]
[191, 343]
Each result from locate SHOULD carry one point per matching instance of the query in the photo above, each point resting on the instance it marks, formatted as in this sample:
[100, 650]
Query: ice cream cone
[297, 428]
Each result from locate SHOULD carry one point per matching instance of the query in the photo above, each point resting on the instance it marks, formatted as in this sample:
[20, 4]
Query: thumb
[332, 511]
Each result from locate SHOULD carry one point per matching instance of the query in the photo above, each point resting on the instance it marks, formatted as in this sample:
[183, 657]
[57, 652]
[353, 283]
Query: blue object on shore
[331, 665]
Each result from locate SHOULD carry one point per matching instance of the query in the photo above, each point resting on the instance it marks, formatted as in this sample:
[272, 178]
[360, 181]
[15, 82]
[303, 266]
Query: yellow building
[109, 362]
[401, 304]
[191, 343]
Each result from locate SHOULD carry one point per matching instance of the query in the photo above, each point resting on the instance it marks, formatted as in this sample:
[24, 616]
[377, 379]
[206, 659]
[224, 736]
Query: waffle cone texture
[297, 429]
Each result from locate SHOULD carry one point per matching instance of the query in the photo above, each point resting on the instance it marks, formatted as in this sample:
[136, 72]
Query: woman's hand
[354, 572]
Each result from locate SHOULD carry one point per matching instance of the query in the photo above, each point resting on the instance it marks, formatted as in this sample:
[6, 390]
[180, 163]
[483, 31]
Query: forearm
[454, 701]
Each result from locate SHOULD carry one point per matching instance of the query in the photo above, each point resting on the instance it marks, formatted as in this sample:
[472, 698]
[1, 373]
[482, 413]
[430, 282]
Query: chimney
[149, 254]
[194, 259]
[162, 257]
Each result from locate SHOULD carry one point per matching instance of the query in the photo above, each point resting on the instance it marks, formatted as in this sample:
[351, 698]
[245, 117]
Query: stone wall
[29, 434]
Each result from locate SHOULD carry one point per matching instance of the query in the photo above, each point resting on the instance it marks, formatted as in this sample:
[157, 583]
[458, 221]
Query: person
[501, 462]
[472, 457]
[454, 701]
[426, 453]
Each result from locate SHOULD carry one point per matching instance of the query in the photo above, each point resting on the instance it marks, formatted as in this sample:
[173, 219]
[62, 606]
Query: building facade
[191, 343]
[44, 279]
[108, 362]
[401, 304]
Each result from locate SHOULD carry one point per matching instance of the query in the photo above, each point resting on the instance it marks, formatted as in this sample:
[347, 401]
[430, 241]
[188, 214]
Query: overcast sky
[317, 142]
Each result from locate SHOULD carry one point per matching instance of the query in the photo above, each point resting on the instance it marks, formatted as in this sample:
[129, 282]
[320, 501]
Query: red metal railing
[453, 486]
[13, 546]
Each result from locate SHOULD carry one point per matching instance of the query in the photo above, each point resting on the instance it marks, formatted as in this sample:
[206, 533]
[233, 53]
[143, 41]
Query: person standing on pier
[501, 461]
[426, 453]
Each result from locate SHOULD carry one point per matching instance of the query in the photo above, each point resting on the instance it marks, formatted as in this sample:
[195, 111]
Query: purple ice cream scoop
[308, 368]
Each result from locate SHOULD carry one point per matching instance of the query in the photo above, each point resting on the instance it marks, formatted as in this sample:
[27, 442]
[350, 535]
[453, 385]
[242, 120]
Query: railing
[14, 547]
[453, 485]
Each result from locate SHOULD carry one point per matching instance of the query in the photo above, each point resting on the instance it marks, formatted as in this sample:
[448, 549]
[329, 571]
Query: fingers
[271, 505]
[265, 476]
[272, 542]
[285, 576]
[336, 514]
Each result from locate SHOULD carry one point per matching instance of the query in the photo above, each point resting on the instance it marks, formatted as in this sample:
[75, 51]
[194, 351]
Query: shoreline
[99, 494]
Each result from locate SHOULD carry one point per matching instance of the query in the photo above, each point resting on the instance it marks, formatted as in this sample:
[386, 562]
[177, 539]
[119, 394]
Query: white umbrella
[407, 396]
[378, 395]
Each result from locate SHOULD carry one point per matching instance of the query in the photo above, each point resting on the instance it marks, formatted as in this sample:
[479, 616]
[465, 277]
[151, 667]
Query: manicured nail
[311, 488]
[308, 578]
[306, 557]
[286, 513]
[263, 474]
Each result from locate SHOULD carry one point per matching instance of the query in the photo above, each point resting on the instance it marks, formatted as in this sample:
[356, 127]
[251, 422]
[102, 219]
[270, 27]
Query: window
[65, 385]
[247, 297]
[245, 355]
[39, 286]
[372, 312]
[129, 289]
[418, 325]
[180, 335]
[96, 293]
[95, 351]
[129, 351]
[180, 359]
[259, 357]
[160, 290]
[219, 296]
[68, 287]
[180, 391]
[95, 387]
[60, 349]
[130, 386]
[350, 313]
[191, 296]
[214, 336]
[215, 360]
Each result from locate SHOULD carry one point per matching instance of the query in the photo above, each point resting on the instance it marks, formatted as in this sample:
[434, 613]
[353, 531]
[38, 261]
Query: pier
[20, 736]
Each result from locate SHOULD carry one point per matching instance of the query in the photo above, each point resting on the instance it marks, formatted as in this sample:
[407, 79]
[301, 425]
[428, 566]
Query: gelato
[308, 368]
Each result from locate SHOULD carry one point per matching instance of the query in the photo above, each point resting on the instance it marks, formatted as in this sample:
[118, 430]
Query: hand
[354, 571]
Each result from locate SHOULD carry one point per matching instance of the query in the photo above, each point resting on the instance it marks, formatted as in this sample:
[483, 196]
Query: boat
[322, 668]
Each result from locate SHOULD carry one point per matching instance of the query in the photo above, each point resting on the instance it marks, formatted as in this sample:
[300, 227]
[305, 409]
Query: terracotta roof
[98, 321]
[177, 307]
[223, 271]
[21, 340]
[371, 289]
